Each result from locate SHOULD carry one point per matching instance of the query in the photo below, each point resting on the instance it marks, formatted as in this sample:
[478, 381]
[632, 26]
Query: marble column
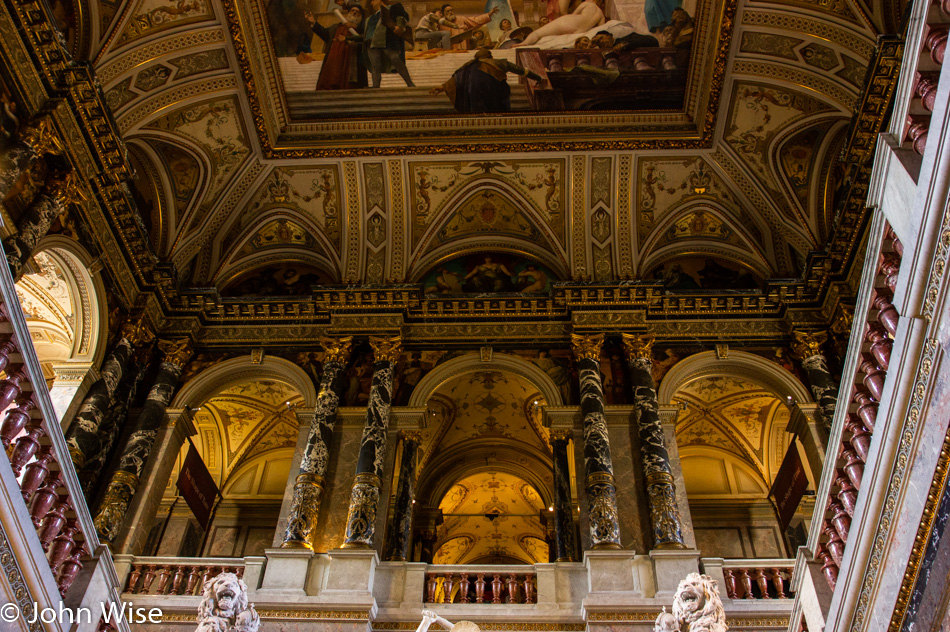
[135, 453]
[308, 487]
[37, 138]
[807, 348]
[661, 491]
[401, 528]
[364, 498]
[564, 546]
[82, 437]
[601, 491]
[59, 190]
[109, 431]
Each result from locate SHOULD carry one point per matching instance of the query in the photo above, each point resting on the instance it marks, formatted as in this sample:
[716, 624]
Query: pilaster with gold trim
[565, 547]
[136, 450]
[807, 348]
[308, 487]
[401, 528]
[364, 498]
[661, 490]
[603, 516]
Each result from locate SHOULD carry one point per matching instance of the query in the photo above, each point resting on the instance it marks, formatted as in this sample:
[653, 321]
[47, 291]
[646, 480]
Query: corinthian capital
[587, 347]
[638, 346]
[808, 344]
[137, 332]
[41, 136]
[177, 352]
[336, 349]
[386, 349]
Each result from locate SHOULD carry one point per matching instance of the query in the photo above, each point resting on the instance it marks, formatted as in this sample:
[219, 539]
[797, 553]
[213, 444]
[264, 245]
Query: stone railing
[36, 449]
[758, 579]
[861, 393]
[924, 90]
[481, 584]
[176, 575]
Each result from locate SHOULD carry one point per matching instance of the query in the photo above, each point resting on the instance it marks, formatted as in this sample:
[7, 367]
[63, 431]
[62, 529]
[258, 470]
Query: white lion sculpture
[224, 606]
[696, 607]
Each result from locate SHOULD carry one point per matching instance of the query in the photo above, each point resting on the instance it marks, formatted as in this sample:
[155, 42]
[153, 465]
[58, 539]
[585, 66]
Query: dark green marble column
[308, 487]
[401, 528]
[58, 191]
[661, 491]
[565, 549]
[807, 348]
[82, 437]
[364, 498]
[125, 480]
[598, 468]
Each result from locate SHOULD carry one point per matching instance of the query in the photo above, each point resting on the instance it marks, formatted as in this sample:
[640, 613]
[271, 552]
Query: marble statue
[224, 606]
[696, 607]
[429, 617]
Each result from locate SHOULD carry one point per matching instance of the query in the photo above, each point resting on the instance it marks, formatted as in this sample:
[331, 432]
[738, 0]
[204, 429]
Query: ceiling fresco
[49, 304]
[731, 436]
[244, 196]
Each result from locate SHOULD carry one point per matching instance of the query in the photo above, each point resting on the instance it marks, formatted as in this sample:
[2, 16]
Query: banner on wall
[789, 486]
[197, 486]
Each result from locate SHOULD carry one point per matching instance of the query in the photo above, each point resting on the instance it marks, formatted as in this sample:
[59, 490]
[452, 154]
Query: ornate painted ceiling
[733, 189]
[731, 437]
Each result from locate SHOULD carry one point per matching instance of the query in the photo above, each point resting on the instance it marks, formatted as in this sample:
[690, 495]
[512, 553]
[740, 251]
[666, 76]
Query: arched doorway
[485, 485]
[246, 418]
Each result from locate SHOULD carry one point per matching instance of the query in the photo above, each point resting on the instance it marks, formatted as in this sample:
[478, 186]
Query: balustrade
[758, 579]
[509, 586]
[167, 576]
[867, 387]
[35, 448]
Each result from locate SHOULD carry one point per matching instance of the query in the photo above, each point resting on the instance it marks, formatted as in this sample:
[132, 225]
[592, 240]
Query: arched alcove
[65, 309]
[731, 437]
[246, 418]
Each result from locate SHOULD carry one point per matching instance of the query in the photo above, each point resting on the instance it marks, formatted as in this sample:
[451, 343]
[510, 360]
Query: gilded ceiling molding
[858, 43]
[472, 363]
[188, 246]
[352, 229]
[846, 97]
[397, 197]
[748, 366]
[113, 69]
[179, 96]
[624, 238]
[578, 217]
[220, 376]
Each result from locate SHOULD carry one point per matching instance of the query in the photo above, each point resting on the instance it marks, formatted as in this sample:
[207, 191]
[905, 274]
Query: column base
[670, 567]
[285, 573]
[615, 578]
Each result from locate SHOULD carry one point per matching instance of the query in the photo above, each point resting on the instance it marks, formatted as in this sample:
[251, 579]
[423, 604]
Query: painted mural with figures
[487, 273]
[343, 58]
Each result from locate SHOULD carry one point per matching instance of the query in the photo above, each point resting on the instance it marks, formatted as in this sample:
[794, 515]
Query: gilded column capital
[137, 332]
[70, 192]
[636, 346]
[587, 347]
[386, 349]
[411, 436]
[561, 435]
[336, 349]
[41, 136]
[808, 344]
[177, 352]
